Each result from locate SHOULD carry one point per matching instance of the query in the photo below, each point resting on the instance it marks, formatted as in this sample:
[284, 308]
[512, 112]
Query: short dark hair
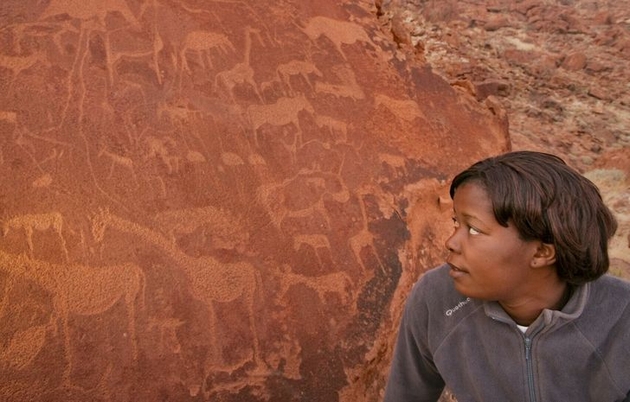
[547, 200]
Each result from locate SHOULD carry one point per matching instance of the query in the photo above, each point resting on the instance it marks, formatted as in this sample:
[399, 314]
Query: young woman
[522, 310]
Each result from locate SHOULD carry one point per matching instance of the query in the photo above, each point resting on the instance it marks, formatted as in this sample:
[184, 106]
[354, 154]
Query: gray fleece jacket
[581, 353]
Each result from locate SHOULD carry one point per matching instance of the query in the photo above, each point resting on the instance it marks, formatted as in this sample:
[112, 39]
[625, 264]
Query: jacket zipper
[530, 369]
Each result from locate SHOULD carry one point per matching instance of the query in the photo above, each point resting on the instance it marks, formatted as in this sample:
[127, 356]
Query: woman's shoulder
[434, 279]
[611, 294]
[436, 287]
[611, 284]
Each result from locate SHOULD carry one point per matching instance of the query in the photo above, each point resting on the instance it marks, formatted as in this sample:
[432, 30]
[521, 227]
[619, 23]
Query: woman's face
[488, 261]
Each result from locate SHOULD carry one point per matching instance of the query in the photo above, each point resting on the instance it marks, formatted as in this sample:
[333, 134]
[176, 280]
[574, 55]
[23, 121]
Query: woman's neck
[551, 294]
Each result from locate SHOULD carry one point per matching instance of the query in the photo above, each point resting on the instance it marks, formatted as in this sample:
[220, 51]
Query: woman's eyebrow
[472, 217]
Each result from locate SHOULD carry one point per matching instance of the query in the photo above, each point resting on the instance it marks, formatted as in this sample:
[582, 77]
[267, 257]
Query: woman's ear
[545, 255]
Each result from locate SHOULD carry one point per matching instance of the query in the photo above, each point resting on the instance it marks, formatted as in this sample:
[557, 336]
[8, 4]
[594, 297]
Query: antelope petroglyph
[338, 129]
[297, 68]
[40, 222]
[284, 111]
[336, 283]
[225, 228]
[339, 32]
[118, 160]
[202, 43]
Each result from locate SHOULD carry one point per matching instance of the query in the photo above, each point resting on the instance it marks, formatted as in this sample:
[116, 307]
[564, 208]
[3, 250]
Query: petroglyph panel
[220, 200]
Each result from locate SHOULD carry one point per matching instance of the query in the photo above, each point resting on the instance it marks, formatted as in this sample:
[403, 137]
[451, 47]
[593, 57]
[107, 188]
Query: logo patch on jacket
[459, 305]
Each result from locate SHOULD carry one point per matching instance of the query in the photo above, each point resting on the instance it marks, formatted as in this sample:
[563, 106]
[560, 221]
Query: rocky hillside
[559, 69]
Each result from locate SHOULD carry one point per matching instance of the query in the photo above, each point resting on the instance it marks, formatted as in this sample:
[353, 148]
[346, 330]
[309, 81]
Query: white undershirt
[522, 328]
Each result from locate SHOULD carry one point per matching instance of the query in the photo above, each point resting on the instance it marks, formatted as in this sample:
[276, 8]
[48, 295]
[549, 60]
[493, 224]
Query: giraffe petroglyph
[210, 281]
[364, 238]
[241, 73]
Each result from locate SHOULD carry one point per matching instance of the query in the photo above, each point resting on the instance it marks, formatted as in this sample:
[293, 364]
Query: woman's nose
[451, 243]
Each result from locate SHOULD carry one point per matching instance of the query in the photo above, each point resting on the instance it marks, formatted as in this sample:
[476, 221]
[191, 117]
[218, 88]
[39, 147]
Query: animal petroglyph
[167, 334]
[202, 43]
[336, 283]
[40, 222]
[338, 129]
[272, 197]
[89, 10]
[300, 68]
[339, 32]
[151, 54]
[8, 116]
[210, 281]
[231, 159]
[241, 73]
[364, 238]
[284, 111]
[318, 184]
[348, 88]
[124, 162]
[224, 227]
[404, 109]
[81, 290]
[316, 241]
[42, 181]
[160, 148]
[17, 64]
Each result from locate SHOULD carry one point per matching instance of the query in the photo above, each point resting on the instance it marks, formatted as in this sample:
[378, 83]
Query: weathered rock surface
[559, 69]
[220, 200]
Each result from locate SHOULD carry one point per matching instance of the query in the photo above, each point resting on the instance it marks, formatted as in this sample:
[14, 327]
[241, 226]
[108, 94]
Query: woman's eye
[473, 231]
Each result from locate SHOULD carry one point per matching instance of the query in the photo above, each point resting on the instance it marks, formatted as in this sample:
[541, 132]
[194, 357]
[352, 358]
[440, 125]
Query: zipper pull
[528, 348]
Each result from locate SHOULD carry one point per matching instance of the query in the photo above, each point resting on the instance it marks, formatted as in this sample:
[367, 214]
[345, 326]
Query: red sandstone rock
[496, 23]
[574, 62]
[492, 87]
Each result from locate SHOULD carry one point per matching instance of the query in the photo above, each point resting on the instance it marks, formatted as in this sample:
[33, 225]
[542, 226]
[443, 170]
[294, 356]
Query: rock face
[216, 200]
[558, 69]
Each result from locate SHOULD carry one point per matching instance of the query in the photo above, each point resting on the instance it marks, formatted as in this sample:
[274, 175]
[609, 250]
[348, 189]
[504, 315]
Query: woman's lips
[456, 272]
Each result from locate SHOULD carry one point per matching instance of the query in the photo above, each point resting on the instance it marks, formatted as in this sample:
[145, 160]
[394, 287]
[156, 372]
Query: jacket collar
[548, 318]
